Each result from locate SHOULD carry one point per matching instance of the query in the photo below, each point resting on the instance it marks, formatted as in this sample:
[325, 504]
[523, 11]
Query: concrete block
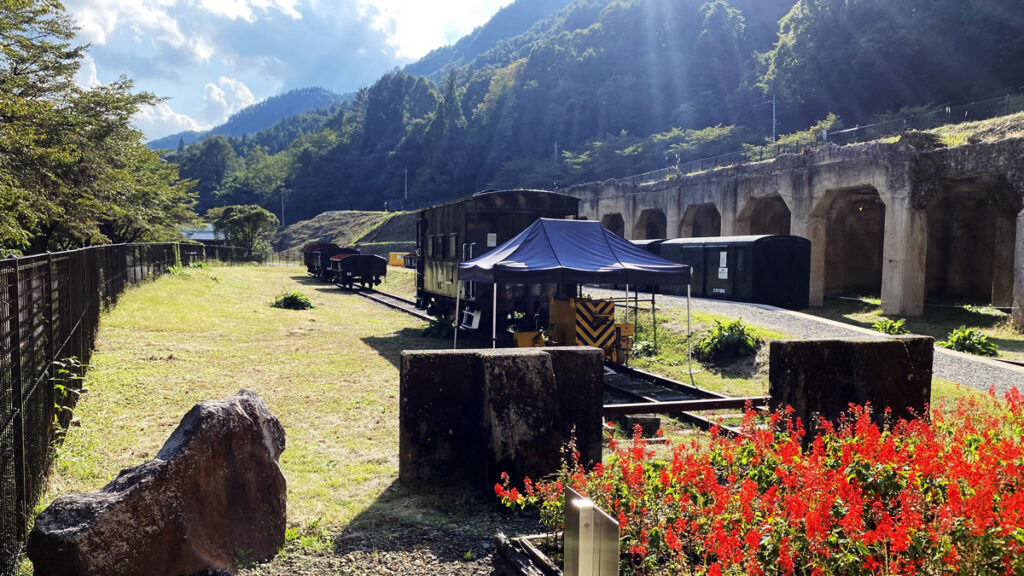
[823, 377]
[440, 415]
[579, 376]
[468, 415]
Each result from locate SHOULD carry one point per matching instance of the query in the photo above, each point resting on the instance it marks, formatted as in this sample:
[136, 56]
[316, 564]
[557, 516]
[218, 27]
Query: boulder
[214, 494]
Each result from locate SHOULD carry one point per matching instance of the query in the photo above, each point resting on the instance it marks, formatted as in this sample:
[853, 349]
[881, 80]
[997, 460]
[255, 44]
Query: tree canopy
[73, 170]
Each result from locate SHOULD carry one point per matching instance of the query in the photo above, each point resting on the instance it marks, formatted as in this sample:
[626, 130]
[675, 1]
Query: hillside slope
[372, 232]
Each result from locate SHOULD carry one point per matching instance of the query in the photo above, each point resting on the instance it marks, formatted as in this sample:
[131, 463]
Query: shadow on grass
[454, 525]
[392, 345]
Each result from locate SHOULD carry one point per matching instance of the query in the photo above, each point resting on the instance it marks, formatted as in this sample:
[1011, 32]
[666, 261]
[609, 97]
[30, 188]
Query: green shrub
[293, 300]
[891, 327]
[643, 349]
[727, 342]
[440, 327]
[971, 341]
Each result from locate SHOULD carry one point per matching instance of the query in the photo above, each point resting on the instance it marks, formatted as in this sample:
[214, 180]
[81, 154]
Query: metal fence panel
[50, 307]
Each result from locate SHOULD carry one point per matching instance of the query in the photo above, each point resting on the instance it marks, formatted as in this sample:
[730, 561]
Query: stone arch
[764, 215]
[972, 233]
[854, 220]
[615, 223]
[701, 221]
[650, 225]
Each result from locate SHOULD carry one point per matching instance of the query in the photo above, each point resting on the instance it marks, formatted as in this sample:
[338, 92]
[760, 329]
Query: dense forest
[73, 170]
[609, 88]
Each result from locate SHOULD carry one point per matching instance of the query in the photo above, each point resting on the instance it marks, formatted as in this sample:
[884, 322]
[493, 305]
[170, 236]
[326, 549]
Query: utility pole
[773, 119]
[405, 171]
[282, 207]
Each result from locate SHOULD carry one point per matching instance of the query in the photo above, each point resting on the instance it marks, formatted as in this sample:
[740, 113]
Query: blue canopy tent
[567, 252]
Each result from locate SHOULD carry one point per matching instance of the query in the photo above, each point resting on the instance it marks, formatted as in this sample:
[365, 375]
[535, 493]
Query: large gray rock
[823, 377]
[213, 494]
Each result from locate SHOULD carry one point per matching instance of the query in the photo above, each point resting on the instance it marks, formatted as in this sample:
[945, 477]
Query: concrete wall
[466, 416]
[821, 190]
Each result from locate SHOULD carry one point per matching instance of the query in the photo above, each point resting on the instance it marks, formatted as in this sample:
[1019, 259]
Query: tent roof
[571, 252]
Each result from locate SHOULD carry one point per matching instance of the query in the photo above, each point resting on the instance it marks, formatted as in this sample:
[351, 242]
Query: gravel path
[967, 370]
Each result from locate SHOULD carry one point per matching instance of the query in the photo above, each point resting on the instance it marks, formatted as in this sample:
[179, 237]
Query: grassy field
[329, 374]
[937, 321]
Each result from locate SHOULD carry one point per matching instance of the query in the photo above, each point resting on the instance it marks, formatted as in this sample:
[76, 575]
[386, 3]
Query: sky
[211, 58]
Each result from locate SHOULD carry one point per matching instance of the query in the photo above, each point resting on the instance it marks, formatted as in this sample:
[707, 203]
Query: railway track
[628, 390]
[631, 391]
[401, 304]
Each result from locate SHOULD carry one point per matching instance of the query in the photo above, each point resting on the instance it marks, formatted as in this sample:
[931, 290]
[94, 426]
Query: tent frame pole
[654, 323]
[455, 340]
[494, 316]
[627, 310]
[689, 332]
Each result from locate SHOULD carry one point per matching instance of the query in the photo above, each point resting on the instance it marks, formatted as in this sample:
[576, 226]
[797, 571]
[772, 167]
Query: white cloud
[415, 27]
[225, 98]
[161, 119]
[87, 76]
[149, 19]
[243, 9]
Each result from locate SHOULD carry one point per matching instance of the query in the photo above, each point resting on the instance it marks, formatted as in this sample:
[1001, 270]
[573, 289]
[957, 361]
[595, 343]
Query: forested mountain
[609, 88]
[510, 22]
[262, 116]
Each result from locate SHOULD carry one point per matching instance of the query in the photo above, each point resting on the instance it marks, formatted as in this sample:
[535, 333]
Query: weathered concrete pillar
[814, 228]
[905, 251]
[729, 216]
[1018, 276]
[1003, 261]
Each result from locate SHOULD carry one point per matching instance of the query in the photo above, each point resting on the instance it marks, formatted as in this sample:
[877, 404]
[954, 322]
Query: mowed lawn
[329, 374]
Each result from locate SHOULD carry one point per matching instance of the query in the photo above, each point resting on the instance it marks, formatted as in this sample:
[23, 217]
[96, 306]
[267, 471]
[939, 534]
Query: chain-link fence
[50, 306]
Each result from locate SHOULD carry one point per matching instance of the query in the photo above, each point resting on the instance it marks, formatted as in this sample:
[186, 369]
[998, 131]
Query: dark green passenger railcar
[454, 232]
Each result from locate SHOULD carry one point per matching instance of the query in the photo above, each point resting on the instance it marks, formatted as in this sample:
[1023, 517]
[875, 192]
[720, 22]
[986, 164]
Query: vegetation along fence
[50, 306]
[925, 118]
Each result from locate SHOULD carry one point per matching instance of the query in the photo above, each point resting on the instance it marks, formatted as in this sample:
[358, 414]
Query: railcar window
[453, 243]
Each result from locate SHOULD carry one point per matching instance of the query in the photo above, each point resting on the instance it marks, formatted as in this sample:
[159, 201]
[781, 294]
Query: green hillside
[610, 88]
[372, 232]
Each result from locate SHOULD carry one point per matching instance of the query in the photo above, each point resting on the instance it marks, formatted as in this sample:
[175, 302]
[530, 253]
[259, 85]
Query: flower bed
[944, 496]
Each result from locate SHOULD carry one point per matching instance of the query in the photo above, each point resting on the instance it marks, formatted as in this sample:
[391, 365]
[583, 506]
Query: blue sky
[211, 58]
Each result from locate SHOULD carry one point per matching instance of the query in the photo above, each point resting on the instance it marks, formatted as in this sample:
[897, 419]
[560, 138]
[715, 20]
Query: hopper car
[366, 270]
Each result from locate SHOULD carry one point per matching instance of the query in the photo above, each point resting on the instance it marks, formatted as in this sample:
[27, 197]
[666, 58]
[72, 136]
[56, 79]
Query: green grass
[937, 321]
[738, 379]
[328, 373]
[399, 282]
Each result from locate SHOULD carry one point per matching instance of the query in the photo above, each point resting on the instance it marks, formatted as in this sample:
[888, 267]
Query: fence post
[18, 402]
[49, 311]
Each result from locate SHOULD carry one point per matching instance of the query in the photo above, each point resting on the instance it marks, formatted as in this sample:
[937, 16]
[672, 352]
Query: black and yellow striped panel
[595, 323]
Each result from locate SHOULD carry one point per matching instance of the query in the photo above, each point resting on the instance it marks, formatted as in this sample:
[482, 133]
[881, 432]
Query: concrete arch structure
[614, 223]
[701, 221]
[932, 214]
[764, 215]
[650, 225]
